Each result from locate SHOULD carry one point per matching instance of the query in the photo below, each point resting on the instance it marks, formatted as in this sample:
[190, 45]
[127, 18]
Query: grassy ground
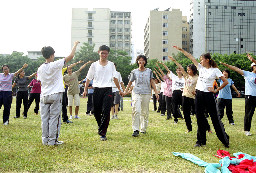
[22, 151]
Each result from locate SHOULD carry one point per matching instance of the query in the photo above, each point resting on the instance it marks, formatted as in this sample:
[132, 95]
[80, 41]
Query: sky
[28, 25]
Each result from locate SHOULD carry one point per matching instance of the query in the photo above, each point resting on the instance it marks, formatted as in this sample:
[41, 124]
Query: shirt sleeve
[91, 72]
[58, 64]
[232, 82]
[132, 77]
[31, 83]
[151, 74]
[78, 73]
[218, 73]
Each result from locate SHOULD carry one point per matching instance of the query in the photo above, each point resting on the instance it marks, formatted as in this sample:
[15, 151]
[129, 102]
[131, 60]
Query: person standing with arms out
[34, 94]
[224, 98]
[71, 79]
[208, 72]
[22, 94]
[6, 90]
[52, 88]
[250, 92]
[102, 72]
[189, 92]
[143, 78]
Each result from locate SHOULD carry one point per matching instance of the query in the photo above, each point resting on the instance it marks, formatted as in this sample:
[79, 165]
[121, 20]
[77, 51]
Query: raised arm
[72, 54]
[168, 70]
[251, 58]
[32, 75]
[179, 65]
[234, 68]
[158, 73]
[157, 76]
[187, 55]
[20, 70]
[83, 66]
[74, 64]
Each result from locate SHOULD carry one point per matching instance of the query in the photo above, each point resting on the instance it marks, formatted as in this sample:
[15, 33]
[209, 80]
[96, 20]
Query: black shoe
[135, 133]
[16, 117]
[68, 122]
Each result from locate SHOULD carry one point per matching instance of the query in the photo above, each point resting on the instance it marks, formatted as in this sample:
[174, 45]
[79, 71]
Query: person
[224, 98]
[116, 95]
[22, 94]
[143, 78]
[103, 72]
[34, 94]
[158, 88]
[71, 80]
[90, 109]
[250, 92]
[167, 93]
[52, 88]
[6, 90]
[208, 72]
[189, 92]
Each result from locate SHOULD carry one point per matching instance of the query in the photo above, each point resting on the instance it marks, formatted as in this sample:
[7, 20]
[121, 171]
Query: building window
[165, 25]
[242, 39]
[127, 45]
[210, 13]
[127, 37]
[113, 22]
[242, 46]
[241, 14]
[119, 22]
[112, 37]
[165, 16]
[165, 49]
[225, 7]
[165, 58]
[126, 22]
[112, 44]
[165, 41]
[120, 45]
[112, 30]
[89, 32]
[89, 15]
[90, 41]
[119, 29]
[216, 7]
[127, 29]
[165, 33]
[119, 37]
[90, 24]
[233, 7]
[184, 29]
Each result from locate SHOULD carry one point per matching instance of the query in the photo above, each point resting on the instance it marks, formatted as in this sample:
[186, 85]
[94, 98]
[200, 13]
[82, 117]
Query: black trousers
[102, 102]
[6, 100]
[206, 100]
[221, 104]
[32, 97]
[64, 107]
[90, 103]
[250, 103]
[187, 104]
[154, 102]
[22, 95]
[163, 103]
[176, 102]
[169, 106]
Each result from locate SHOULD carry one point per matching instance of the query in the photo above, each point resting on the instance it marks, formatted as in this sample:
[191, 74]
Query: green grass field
[22, 150]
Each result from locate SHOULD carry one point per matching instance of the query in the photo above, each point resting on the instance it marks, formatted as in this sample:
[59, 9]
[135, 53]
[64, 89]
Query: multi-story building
[225, 27]
[185, 34]
[163, 30]
[102, 26]
[34, 54]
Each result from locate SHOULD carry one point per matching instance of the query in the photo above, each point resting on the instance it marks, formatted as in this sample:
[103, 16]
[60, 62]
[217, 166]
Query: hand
[121, 93]
[84, 93]
[89, 62]
[157, 96]
[211, 89]
[238, 95]
[25, 65]
[77, 42]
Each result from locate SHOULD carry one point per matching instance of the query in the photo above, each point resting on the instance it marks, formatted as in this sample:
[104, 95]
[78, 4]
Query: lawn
[22, 150]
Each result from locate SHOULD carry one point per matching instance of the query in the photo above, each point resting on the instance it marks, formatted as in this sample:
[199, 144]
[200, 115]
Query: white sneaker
[232, 124]
[247, 133]
[113, 117]
[6, 122]
[59, 143]
[116, 117]
[71, 117]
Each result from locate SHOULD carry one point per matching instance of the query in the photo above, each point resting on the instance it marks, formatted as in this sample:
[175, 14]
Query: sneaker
[16, 117]
[59, 143]
[232, 124]
[116, 117]
[113, 117]
[197, 145]
[162, 115]
[247, 133]
[188, 131]
[25, 117]
[77, 117]
[135, 133]
[103, 138]
[6, 122]
[175, 122]
[71, 117]
[67, 122]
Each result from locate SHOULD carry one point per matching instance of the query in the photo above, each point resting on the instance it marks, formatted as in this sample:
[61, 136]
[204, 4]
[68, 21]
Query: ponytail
[211, 61]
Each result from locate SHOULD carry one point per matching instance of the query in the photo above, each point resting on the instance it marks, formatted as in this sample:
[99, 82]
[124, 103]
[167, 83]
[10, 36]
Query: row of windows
[126, 37]
[120, 22]
[120, 30]
[119, 44]
[120, 15]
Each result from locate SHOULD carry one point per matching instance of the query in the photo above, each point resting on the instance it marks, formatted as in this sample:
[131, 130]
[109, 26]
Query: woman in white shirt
[208, 72]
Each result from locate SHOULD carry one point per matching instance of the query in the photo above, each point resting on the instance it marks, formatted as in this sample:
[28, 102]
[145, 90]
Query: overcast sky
[28, 25]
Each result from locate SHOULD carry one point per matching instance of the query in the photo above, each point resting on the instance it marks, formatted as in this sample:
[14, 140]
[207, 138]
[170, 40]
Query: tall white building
[223, 26]
[101, 26]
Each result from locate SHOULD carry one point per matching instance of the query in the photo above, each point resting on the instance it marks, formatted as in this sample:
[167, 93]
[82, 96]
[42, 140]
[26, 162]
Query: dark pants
[90, 104]
[22, 95]
[206, 100]
[176, 102]
[250, 103]
[102, 102]
[6, 100]
[187, 104]
[221, 104]
[154, 102]
[169, 106]
[163, 103]
[32, 97]
[64, 107]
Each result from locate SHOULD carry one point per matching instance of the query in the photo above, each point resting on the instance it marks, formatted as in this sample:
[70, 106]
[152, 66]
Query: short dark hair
[193, 68]
[227, 71]
[143, 57]
[4, 66]
[47, 51]
[104, 47]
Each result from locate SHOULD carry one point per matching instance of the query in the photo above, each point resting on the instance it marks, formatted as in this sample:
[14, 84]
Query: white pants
[140, 111]
[50, 109]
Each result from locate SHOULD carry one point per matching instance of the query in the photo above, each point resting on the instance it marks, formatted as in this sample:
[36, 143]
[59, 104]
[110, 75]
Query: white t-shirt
[120, 80]
[50, 75]
[206, 77]
[102, 76]
[162, 86]
[177, 83]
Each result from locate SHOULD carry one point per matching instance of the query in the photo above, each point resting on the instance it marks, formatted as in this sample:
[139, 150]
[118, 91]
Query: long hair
[211, 61]
[193, 68]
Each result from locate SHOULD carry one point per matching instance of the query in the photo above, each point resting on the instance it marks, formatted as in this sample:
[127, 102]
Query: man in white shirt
[102, 72]
[52, 88]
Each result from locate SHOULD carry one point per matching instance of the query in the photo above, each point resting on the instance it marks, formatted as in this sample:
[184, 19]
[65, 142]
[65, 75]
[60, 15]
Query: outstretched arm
[72, 54]
[83, 66]
[179, 65]
[20, 70]
[234, 68]
[74, 64]
[168, 70]
[251, 58]
[32, 75]
[187, 55]
[156, 76]
[158, 73]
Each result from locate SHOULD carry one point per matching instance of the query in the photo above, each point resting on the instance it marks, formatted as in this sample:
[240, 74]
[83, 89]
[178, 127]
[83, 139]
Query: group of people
[187, 89]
